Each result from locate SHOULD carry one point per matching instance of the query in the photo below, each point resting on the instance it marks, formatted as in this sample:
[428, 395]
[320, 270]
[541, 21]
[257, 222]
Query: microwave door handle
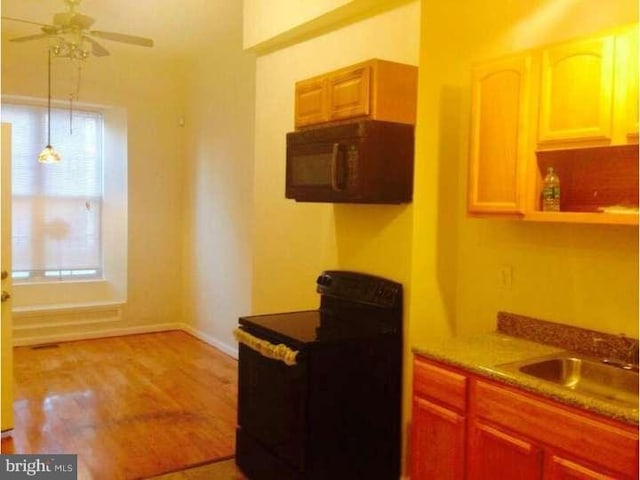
[335, 185]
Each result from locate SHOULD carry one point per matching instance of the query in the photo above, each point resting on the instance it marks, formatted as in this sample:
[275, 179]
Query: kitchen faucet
[622, 352]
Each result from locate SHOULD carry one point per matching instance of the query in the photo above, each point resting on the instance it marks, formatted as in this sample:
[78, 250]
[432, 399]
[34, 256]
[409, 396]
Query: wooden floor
[222, 470]
[130, 407]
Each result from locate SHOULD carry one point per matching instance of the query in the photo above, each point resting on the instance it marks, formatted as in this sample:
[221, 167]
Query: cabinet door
[311, 102]
[496, 454]
[349, 93]
[559, 468]
[498, 147]
[611, 445]
[576, 93]
[437, 442]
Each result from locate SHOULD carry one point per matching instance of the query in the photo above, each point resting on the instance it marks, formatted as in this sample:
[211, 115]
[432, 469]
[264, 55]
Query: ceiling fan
[70, 33]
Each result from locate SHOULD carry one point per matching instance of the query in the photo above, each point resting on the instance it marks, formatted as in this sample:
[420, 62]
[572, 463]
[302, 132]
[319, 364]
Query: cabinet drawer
[439, 383]
[601, 442]
[558, 468]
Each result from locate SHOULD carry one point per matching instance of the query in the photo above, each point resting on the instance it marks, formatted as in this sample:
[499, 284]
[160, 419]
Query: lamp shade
[49, 155]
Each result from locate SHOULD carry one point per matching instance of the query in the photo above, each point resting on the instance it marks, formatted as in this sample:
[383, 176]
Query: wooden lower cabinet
[480, 429]
[496, 454]
[558, 468]
[438, 437]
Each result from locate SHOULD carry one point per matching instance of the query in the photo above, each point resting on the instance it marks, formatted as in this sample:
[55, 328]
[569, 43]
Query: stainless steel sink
[588, 376]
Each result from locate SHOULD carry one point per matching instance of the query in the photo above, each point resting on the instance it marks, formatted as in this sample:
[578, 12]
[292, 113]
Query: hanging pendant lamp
[49, 155]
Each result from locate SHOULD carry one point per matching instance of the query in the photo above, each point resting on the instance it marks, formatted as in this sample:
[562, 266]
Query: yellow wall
[584, 275]
[293, 242]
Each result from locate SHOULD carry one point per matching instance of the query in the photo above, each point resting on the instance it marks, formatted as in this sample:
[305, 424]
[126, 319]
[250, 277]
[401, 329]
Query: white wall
[190, 174]
[273, 24]
[218, 194]
[151, 92]
[265, 19]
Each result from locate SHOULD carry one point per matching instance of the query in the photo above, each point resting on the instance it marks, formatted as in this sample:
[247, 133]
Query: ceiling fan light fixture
[70, 33]
[67, 49]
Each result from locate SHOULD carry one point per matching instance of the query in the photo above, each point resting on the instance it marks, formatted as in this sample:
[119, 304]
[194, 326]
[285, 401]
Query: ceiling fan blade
[97, 49]
[29, 37]
[24, 21]
[121, 37]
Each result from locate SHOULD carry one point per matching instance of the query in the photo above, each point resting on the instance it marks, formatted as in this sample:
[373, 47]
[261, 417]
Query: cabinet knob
[5, 296]
[4, 275]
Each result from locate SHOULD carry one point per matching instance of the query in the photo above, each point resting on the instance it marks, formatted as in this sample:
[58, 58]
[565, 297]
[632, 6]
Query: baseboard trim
[214, 342]
[232, 351]
[66, 308]
[87, 335]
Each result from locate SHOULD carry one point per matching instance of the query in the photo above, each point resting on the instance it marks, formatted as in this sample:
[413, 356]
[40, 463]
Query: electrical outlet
[506, 277]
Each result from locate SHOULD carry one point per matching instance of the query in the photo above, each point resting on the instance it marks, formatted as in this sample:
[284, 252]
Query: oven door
[272, 406]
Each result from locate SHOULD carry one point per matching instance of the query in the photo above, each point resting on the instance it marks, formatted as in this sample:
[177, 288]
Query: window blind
[56, 209]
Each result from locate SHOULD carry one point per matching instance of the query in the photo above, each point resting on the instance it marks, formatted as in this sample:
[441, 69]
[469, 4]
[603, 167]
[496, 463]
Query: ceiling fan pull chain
[77, 95]
[71, 114]
[78, 79]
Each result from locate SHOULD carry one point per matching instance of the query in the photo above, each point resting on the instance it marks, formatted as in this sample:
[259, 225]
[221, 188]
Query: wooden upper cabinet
[311, 101]
[376, 89]
[349, 93]
[499, 123]
[571, 106]
[576, 93]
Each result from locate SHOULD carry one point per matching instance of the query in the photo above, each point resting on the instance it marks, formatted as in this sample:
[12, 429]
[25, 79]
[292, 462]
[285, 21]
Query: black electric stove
[319, 391]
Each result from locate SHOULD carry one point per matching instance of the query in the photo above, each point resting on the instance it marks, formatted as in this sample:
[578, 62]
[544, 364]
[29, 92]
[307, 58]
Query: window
[57, 208]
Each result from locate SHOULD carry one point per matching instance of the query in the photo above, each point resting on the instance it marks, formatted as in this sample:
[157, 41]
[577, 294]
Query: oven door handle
[267, 349]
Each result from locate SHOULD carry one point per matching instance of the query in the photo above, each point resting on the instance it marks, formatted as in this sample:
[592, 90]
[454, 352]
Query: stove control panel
[360, 288]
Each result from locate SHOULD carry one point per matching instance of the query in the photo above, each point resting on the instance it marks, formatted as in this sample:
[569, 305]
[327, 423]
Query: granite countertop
[481, 354]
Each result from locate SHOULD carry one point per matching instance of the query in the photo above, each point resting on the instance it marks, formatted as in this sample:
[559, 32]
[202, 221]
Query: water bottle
[551, 192]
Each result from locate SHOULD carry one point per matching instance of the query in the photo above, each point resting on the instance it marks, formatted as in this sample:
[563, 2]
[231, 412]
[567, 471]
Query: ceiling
[179, 28]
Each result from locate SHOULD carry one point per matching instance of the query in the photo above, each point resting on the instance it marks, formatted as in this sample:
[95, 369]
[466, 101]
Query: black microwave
[365, 161]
